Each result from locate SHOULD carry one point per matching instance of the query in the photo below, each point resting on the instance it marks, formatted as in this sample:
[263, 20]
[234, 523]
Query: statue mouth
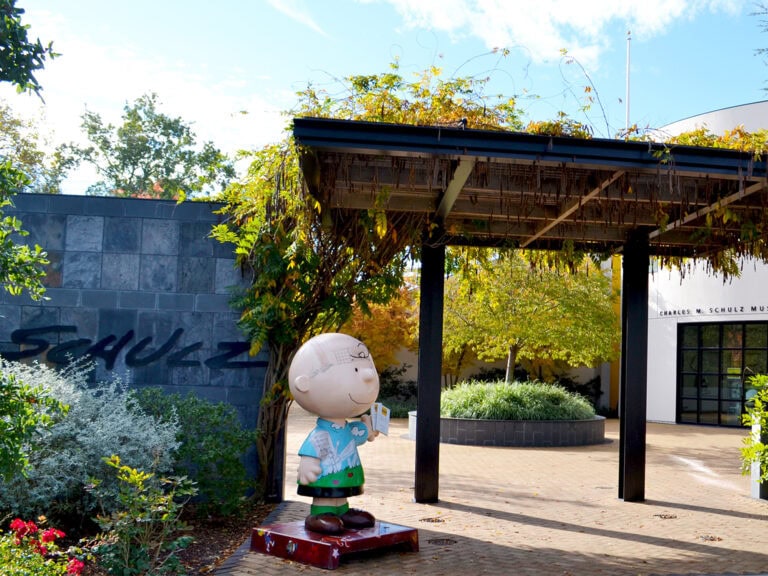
[360, 403]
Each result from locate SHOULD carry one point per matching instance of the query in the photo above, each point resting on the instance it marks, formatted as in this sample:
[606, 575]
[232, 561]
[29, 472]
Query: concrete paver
[550, 510]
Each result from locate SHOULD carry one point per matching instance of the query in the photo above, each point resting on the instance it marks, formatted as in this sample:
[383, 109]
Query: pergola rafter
[571, 208]
[739, 196]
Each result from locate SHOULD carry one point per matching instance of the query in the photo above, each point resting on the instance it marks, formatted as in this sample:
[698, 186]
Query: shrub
[141, 537]
[392, 384]
[755, 448]
[395, 393]
[28, 551]
[493, 374]
[102, 420]
[516, 401]
[24, 411]
[212, 443]
[590, 390]
[399, 408]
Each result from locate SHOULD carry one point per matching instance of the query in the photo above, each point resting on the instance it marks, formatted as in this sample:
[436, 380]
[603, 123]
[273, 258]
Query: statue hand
[366, 419]
[309, 469]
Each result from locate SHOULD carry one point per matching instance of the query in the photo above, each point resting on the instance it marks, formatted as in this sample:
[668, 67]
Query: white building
[752, 117]
[706, 336]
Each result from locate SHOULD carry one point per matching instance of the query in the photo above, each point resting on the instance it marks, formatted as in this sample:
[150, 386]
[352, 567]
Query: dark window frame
[719, 385]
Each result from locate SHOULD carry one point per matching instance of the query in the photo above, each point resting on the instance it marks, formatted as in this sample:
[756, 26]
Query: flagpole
[626, 124]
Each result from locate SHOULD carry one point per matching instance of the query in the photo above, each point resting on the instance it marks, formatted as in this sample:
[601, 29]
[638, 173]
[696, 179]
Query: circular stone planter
[517, 432]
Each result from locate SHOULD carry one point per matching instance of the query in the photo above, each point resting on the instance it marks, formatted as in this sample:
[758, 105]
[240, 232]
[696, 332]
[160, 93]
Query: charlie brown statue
[333, 376]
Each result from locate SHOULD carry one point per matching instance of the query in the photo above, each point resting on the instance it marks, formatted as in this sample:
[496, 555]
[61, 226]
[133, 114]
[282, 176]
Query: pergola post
[430, 372]
[634, 368]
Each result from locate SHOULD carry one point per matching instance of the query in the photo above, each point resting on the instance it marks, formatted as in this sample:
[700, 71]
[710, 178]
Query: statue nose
[369, 375]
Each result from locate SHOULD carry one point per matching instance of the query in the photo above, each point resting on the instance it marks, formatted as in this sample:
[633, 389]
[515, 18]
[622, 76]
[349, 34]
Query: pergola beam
[356, 137]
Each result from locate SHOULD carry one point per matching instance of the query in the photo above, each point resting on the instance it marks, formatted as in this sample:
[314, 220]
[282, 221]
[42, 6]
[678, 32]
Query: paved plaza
[549, 511]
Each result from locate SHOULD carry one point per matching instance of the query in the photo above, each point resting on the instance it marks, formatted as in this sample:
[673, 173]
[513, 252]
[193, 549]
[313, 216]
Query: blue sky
[210, 62]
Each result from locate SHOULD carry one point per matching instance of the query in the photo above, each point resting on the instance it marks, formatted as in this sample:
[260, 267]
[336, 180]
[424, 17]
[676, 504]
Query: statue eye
[356, 370]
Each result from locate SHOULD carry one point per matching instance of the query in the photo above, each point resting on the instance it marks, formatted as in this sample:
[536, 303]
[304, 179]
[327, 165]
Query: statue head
[333, 375]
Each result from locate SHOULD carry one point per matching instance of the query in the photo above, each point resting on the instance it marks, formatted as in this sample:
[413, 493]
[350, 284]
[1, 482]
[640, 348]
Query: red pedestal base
[292, 541]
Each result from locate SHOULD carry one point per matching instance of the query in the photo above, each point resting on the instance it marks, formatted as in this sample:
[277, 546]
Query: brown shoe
[355, 518]
[324, 523]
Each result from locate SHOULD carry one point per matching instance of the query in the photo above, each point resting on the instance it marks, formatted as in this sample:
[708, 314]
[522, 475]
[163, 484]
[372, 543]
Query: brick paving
[549, 511]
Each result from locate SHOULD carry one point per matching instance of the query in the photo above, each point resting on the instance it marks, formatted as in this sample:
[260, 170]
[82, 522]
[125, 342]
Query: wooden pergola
[508, 189]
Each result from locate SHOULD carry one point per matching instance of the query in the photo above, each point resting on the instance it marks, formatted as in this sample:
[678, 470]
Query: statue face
[333, 376]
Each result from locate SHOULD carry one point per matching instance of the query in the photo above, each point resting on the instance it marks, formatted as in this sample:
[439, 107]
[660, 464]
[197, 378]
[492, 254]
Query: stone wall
[530, 433]
[139, 286]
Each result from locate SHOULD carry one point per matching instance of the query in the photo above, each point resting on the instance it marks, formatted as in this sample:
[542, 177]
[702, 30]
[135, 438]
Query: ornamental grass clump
[515, 401]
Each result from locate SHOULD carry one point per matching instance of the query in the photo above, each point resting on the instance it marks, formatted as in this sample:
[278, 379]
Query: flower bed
[528, 433]
[517, 414]
[522, 432]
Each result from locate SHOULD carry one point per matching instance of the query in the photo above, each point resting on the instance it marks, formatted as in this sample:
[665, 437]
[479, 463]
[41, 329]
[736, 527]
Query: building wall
[697, 297]
[140, 287]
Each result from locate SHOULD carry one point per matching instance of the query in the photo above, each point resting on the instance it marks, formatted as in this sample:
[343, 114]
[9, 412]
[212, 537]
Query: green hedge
[515, 401]
[212, 446]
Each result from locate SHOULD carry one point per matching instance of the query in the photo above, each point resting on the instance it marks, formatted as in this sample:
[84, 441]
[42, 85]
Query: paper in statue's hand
[380, 417]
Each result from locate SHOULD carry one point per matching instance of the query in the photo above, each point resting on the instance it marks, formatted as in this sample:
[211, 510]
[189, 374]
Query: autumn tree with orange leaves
[386, 328]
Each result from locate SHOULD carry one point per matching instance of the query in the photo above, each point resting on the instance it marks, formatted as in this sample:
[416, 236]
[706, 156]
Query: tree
[23, 409]
[21, 267]
[308, 267]
[458, 352]
[506, 306]
[20, 58]
[762, 11]
[386, 328]
[20, 141]
[150, 155]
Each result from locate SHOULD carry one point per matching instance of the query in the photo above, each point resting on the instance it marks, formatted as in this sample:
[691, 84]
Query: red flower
[50, 535]
[75, 566]
[37, 547]
[22, 528]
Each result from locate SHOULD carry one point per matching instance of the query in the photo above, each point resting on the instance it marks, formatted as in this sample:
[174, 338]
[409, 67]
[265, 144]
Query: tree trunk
[460, 362]
[273, 413]
[511, 362]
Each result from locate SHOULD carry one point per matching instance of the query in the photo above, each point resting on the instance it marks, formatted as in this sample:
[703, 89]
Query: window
[713, 361]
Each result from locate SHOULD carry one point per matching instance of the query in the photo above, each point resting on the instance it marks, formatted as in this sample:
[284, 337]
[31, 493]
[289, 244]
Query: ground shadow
[448, 553]
[706, 509]
[561, 525]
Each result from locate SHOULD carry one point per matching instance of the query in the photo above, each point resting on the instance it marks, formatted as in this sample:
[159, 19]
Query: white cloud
[296, 10]
[544, 27]
[104, 78]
